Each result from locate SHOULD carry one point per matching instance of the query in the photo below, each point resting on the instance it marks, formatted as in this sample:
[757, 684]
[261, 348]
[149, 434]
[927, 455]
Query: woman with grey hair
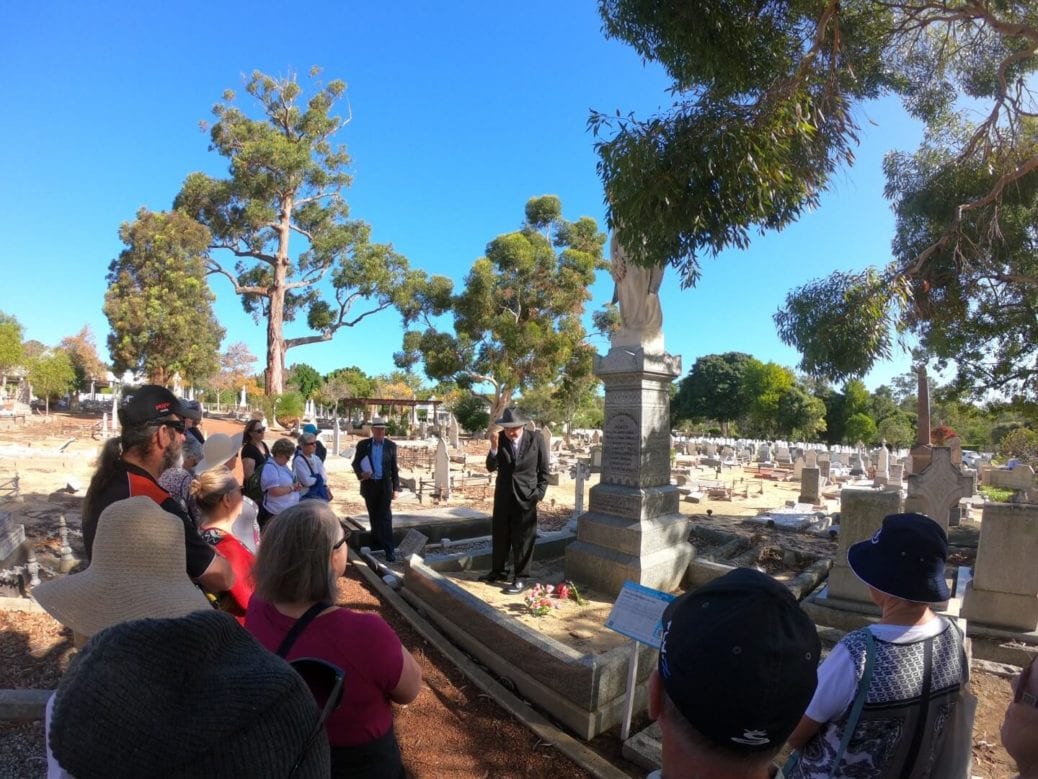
[177, 480]
[291, 613]
[309, 470]
[280, 487]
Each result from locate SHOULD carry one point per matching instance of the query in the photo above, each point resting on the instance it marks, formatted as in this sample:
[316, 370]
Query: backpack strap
[300, 625]
[859, 697]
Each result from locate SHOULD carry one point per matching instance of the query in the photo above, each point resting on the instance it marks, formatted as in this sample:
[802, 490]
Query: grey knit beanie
[190, 697]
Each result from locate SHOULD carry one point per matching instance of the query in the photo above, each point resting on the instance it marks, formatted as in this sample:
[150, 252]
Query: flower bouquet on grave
[572, 593]
[539, 601]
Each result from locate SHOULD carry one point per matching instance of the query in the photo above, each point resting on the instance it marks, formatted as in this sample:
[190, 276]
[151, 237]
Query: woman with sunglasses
[1020, 728]
[303, 554]
[254, 451]
[218, 497]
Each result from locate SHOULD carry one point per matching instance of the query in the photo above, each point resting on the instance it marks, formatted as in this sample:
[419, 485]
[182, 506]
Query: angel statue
[637, 291]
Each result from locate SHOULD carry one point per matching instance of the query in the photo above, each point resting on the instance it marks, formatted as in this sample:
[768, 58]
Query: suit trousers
[514, 528]
[380, 514]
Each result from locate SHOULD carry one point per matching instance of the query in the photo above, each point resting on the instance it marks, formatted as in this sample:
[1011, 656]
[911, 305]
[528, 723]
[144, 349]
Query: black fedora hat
[905, 558]
[511, 418]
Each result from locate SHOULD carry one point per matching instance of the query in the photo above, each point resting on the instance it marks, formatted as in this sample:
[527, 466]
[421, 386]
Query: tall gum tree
[763, 116]
[517, 322]
[286, 181]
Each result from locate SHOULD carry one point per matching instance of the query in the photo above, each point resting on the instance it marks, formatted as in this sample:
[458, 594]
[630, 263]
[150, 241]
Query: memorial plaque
[621, 455]
[638, 613]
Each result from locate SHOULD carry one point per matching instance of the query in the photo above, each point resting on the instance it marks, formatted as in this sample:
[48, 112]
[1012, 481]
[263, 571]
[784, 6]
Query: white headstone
[441, 470]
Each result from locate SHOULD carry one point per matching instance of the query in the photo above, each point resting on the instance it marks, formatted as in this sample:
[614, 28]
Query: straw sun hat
[217, 450]
[138, 570]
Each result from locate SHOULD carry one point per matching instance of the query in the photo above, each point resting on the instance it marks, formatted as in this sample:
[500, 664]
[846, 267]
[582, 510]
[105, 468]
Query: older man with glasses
[150, 441]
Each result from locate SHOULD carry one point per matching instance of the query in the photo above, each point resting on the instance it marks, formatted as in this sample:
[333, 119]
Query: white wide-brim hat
[217, 450]
[138, 570]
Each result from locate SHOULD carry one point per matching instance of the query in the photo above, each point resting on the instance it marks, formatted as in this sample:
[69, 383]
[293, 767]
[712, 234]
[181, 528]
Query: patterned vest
[901, 726]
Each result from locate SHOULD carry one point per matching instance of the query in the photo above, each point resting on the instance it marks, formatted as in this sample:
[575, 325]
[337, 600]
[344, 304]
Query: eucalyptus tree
[285, 183]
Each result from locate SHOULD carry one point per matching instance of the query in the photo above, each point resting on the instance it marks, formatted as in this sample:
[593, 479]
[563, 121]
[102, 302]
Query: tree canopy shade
[158, 303]
[286, 179]
[763, 116]
[517, 323]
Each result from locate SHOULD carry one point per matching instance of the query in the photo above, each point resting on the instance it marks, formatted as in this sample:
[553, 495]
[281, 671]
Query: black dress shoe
[515, 587]
[492, 576]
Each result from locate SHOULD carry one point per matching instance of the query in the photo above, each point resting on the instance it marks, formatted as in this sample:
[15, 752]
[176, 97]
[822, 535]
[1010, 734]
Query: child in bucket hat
[192, 697]
[916, 655]
[737, 667]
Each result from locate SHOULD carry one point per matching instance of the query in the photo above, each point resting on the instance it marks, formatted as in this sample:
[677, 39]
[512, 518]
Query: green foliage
[897, 430]
[471, 413]
[11, 352]
[287, 176]
[517, 323]
[713, 389]
[763, 385]
[799, 414]
[343, 383]
[996, 494]
[51, 374]
[158, 304]
[1021, 443]
[764, 99]
[859, 427]
[305, 379]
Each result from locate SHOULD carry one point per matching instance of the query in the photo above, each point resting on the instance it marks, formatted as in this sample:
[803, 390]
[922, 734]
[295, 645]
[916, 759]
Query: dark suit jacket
[525, 476]
[390, 481]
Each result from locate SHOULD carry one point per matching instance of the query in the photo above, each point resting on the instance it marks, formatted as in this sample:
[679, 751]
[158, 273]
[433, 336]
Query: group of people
[288, 471]
[143, 612]
[738, 676]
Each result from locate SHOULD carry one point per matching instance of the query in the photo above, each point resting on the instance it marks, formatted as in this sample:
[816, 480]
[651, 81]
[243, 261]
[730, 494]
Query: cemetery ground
[453, 728]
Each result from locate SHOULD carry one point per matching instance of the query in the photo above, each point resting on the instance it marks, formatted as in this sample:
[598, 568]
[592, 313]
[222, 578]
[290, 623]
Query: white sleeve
[837, 683]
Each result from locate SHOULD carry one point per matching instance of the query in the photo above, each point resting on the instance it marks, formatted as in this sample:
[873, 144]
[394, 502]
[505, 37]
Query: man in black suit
[375, 466]
[522, 479]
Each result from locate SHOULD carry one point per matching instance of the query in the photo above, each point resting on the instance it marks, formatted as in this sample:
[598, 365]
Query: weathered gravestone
[442, 471]
[633, 530]
[413, 543]
[810, 485]
[937, 490]
[861, 515]
[1004, 590]
[12, 536]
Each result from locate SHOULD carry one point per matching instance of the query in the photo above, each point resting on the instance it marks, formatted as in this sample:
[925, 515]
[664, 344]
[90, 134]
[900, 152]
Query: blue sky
[461, 112]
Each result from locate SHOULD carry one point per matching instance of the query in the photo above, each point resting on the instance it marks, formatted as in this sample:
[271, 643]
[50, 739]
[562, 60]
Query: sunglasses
[345, 536]
[176, 424]
[1019, 694]
[326, 685]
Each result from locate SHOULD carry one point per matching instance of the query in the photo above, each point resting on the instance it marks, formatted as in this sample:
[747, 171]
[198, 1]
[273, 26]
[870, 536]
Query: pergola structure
[393, 403]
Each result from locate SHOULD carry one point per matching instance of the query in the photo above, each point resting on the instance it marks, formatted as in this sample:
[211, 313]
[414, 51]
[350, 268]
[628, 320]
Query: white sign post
[637, 614]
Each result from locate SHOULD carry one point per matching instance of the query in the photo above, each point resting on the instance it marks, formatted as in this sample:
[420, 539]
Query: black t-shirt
[255, 453]
[129, 481]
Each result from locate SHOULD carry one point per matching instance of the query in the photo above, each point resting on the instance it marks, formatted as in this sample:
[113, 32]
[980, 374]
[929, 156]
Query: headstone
[882, 467]
[798, 467]
[454, 435]
[938, 489]
[861, 515]
[897, 474]
[335, 435]
[810, 485]
[857, 467]
[442, 471]
[596, 458]
[633, 530]
[578, 490]
[823, 468]
[811, 458]
[782, 455]
[11, 535]
[413, 543]
[1004, 590]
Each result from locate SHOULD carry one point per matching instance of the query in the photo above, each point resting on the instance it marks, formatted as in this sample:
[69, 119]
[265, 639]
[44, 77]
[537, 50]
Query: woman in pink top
[302, 555]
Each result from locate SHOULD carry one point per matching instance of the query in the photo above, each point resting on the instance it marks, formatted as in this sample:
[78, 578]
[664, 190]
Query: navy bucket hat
[905, 558]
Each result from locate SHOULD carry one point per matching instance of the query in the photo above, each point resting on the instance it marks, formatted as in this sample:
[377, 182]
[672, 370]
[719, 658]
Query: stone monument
[633, 529]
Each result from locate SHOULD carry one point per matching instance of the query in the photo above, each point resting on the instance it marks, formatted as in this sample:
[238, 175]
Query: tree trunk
[275, 383]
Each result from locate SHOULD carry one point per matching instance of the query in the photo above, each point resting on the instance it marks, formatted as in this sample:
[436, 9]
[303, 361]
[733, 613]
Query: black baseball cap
[149, 403]
[739, 660]
[904, 558]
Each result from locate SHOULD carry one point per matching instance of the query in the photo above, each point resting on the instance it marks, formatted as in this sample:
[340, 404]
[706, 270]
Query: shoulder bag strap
[299, 626]
[305, 460]
[859, 697]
